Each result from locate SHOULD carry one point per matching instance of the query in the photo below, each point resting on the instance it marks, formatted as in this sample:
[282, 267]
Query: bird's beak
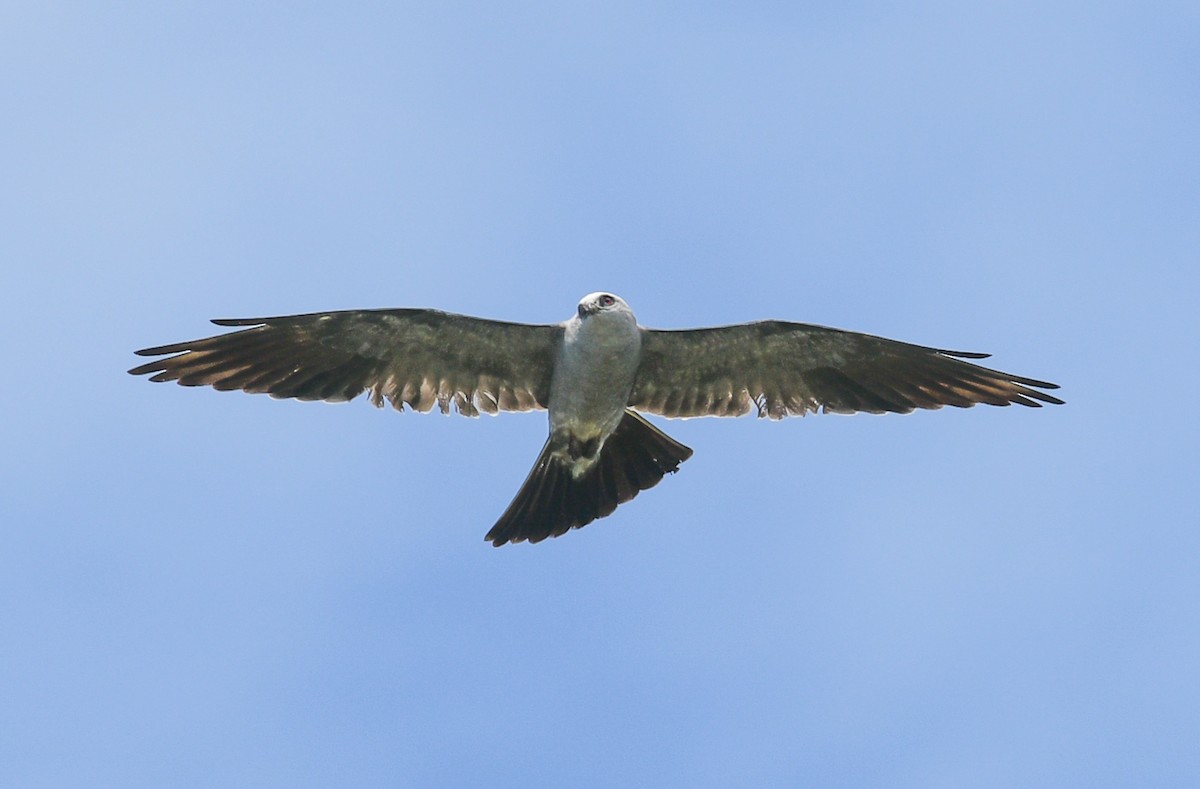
[586, 310]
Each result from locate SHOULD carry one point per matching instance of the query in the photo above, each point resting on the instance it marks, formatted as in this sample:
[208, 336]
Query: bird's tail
[552, 501]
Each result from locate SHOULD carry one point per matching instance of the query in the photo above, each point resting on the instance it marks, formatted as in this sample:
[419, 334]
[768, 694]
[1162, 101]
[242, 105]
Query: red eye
[607, 301]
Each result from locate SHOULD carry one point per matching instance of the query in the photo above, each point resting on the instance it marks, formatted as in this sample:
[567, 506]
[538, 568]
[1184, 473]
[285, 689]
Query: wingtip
[1034, 383]
[147, 368]
[964, 354]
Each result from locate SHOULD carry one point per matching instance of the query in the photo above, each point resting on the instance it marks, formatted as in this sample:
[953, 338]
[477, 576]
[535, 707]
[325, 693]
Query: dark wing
[419, 358]
[793, 368]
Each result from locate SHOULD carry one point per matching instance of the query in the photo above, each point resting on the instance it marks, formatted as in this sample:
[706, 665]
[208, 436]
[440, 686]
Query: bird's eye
[607, 300]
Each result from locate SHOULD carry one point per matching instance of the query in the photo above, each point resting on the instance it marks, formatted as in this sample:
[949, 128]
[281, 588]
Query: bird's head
[595, 303]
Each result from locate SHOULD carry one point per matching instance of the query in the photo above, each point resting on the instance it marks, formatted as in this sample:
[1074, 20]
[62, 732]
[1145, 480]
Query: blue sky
[204, 589]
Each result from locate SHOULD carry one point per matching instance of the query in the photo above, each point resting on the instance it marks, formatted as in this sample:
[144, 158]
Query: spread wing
[411, 357]
[793, 368]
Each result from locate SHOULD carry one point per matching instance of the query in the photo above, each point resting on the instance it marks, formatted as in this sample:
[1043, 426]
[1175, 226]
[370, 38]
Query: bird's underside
[419, 359]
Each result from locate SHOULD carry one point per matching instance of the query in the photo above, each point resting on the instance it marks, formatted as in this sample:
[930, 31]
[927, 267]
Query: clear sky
[216, 589]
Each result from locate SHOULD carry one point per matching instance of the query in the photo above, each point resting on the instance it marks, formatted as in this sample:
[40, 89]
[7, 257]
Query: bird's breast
[593, 376]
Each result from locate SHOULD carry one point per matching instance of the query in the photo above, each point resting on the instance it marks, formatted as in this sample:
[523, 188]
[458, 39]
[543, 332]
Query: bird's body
[585, 408]
[593, 373]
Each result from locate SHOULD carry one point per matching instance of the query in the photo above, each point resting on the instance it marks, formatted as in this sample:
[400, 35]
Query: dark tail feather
[551, 502]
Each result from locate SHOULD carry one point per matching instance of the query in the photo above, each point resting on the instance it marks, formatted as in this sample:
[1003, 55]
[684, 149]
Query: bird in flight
[595, 374]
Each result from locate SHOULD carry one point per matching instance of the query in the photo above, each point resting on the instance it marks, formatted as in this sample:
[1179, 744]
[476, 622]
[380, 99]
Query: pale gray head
[600, 302]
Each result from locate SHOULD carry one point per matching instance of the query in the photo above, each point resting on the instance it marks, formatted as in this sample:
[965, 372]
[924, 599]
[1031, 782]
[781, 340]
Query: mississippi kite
[593, 373]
